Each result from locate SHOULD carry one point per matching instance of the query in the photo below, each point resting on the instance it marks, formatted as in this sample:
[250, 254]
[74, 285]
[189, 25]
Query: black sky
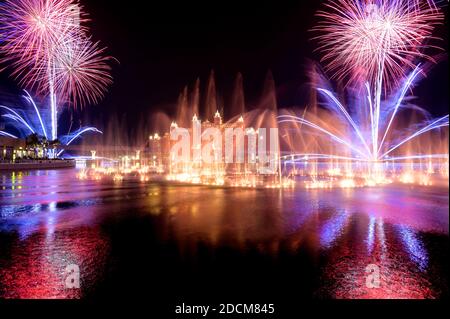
[167, 45]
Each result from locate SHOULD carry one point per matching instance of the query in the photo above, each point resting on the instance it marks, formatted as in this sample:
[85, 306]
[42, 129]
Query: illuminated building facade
[11, 148]
[239, 171]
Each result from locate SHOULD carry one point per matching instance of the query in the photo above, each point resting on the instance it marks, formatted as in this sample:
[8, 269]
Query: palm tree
[36, 143]
[32, 141]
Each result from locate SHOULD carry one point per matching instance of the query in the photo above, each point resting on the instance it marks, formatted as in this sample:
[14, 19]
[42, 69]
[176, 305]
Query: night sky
[163, 46]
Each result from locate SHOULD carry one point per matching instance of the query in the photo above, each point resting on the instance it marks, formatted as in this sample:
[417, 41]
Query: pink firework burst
[82, 72]
[50, 52]
[375, 40]
[31, 30]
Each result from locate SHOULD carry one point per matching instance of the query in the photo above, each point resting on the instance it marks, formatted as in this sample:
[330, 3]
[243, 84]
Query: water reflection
[414, 246]
[54, 220]
[371, 235]
[333, 229]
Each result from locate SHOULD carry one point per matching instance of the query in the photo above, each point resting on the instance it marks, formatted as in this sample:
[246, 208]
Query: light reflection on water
[332, 230]
[371, 235]
[49, 219]
[415, 248]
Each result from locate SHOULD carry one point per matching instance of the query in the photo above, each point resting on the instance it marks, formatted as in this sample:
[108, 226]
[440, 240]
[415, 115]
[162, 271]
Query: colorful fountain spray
[374, 136]
[370, 45]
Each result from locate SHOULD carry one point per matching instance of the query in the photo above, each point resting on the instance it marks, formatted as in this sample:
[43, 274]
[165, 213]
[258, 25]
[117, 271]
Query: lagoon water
[132, 239]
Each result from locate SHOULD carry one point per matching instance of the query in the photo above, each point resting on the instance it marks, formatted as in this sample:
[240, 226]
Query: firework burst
[31, 31]
[375, 40]
[373, 45]
[82, 72]
[50, 52]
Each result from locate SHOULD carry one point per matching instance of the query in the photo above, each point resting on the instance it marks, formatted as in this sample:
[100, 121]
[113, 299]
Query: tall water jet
[195, 98]
[268, 112]
[211, 98]
[183, 115]
[140, 132]
[238, 97]
[268, 98]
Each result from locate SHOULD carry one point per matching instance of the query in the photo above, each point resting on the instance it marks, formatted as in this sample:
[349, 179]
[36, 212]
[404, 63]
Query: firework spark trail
[72, 137]
[390, 110]
[16, 117]
[31, 31]
[313, 156]
[300, 157]
[372, 44]
[30, 99]
[347, 116]
[2, 133]
[295, 119]
[82, 131]
[82, 72]
[47, 46]
[441, 122]
[374, 40]
[407, 85]
[419, 156]
[372, 119]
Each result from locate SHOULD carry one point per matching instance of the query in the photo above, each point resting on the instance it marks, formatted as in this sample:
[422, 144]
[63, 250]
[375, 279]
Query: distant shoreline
[38, 164]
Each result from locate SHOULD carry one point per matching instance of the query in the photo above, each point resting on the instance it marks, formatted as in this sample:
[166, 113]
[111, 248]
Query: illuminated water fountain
[343, 144]
[366, 133]
[374, 135]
